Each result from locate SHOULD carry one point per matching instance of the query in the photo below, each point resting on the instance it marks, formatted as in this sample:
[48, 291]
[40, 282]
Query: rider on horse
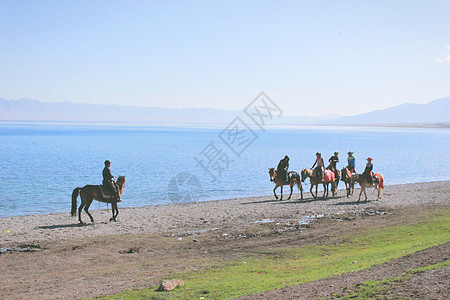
[333, 161]
[282, 168]
[108, 180]
[318, 171]
[351, 162]
[370, 176]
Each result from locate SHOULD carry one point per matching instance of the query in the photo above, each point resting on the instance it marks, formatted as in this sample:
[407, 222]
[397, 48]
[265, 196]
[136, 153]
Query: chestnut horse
[293, 179]
[88, 193]
[315, 182]
[362, 180]
[348, 180]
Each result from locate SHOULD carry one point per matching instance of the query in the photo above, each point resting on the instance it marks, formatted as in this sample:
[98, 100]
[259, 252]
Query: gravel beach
[211, 215]
[42, 255]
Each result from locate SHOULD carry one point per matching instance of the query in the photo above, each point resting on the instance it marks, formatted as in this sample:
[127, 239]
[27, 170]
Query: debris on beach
[21, 248]
[168, 285]
[129, 251]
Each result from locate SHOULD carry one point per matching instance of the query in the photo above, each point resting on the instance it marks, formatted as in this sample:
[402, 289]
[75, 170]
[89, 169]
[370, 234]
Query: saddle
[106, 194]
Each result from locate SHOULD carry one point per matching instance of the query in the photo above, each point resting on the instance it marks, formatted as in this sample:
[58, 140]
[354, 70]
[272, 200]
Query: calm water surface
[41, 164]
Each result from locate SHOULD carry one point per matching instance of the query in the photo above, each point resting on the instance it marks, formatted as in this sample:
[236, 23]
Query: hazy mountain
[33, 110]
[432, 112]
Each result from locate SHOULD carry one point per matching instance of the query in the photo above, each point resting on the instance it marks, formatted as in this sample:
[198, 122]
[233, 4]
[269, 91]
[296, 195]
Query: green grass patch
[370, 289]
[289, 266]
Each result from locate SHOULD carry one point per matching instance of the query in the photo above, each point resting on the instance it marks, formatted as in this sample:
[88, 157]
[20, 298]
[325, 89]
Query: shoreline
[306, 194]
[179, 219]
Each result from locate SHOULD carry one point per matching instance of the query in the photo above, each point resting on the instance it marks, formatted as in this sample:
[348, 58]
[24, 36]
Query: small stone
[168, 285]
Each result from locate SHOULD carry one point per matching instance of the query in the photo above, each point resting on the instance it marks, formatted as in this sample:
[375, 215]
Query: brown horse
[348, 180]
[293, 179]
[362, 180]
[315, 182]
[88, 193]
[337, 177]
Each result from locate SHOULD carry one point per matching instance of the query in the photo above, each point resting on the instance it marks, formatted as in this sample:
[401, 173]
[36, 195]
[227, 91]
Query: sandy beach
[211, 215]
[149, 243]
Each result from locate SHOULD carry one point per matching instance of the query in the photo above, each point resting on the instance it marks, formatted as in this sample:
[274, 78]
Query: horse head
[121, 181]
[304, 174]
[272, 174]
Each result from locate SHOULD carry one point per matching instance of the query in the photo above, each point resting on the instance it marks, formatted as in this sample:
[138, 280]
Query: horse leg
[276, 197]
[301, 189]
[325, 190]
[86, 209]
[310, 190]
[79, 211]
[380, 193]
[115, 211]
[281, 196]
[82, 204]
[360, 193]
[292, 185]
[365, 194]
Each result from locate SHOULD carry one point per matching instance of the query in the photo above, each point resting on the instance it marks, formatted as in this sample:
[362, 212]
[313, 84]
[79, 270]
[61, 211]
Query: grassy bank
[277, 268]
[372, 289]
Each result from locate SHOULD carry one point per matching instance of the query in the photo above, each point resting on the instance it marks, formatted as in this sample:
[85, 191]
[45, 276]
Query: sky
[311, 57]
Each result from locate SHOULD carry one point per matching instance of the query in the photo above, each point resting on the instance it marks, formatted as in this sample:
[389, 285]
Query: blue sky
[312, 57]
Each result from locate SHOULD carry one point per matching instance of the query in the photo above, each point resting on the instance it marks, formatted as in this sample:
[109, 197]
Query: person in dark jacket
[333, 162]
[108, 180]
[283, 167]
[368, 170]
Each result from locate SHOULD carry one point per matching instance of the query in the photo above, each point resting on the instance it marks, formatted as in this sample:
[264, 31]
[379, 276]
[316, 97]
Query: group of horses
[89, 193]
[328, 178]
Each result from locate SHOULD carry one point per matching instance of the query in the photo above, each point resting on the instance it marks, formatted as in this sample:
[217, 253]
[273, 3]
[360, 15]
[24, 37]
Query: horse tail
[380, 177]
[74, 201]
[299, 183]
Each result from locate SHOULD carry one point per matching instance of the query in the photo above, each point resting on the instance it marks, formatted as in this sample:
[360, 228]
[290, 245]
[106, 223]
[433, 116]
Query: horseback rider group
[283, 166]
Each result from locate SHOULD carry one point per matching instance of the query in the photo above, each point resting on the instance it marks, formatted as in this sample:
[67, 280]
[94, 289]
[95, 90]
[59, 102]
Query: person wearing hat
[318, 171]
[333, 162]
[368, 170]
[351, 162]
[108, 180]
[283, 167]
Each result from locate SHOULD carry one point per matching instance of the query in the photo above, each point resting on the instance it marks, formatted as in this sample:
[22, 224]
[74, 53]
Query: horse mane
[120, 180]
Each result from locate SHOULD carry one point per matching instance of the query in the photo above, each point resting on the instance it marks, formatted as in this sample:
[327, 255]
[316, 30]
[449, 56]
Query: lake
[41, 163]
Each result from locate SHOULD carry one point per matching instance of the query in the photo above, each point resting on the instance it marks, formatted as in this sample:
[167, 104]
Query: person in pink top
[318, 171]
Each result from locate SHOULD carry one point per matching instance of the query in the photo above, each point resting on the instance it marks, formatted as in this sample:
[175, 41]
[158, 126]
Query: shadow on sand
[309, 200]
[263, 201]
[65, 226]
[353, 202]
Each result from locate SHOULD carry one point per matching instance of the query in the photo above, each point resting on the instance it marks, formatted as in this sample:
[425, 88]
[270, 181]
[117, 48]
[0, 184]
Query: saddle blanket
[328, 175]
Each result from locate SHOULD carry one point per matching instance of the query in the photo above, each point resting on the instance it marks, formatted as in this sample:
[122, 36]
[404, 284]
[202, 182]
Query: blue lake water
[41, 164]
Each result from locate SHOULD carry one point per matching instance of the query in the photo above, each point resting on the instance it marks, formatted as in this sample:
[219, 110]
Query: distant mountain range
[437, 111]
